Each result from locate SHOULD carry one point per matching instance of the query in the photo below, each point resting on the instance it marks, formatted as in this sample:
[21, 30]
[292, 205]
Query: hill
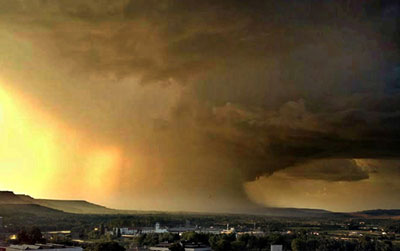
[84, 207]
[292, 212]
[8, 197]
[379, 214]
[76, 206]
[9, 200]
[27, 209]
[68, 206]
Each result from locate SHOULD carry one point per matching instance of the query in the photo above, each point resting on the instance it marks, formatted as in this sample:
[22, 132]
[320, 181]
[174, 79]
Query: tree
[190, 236]
[36, 236]
[31, 237]
[176, 247]
[102, 229]
[23, 237]
[140, 240]
[299, 245]
[62, 240]
[79, 232]
[150, 239]
[238, 245]
[168, 237]
[106, 246]
[222, 245]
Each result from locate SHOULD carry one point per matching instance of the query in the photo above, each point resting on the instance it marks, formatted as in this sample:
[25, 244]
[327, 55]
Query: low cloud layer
[203, 96]
[285, 188]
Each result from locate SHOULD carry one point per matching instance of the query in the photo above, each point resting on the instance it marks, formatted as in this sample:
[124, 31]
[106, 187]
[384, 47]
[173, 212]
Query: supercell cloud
[202, 97]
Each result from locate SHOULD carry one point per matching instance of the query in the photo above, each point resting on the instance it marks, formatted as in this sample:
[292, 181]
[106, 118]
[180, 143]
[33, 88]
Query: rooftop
[40, 246]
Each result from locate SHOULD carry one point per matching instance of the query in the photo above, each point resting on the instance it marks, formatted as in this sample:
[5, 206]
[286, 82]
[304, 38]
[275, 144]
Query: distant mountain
[76, 206]
[376, 212]
[292, 212]
[26, 204]
[68, 206]
[379, 213]
[28, 209]
[8, 197]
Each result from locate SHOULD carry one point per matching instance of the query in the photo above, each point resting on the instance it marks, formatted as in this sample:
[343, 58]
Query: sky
[219, 106]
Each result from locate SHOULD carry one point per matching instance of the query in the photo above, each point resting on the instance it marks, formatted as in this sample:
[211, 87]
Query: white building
[159, 230]
[127, 231]
[43, 247]
[276, 248]
[210, 230]
[143, 230]
[146, 230]
[180, 230]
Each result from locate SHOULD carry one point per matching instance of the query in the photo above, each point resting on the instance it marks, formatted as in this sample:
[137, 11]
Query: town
[189, 232]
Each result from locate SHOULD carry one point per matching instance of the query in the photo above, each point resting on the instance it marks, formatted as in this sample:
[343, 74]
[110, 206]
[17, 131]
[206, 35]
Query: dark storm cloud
[330, 170]
[264, 84]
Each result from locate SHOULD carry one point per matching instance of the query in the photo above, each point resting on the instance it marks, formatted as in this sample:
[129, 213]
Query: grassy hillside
[7, 197]
[27, 209]
[68, 206]
[75, 206]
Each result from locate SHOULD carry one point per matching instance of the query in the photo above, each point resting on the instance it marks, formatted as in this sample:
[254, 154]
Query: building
[228, 230]
[254, 232]
[210, 230]
[159, 230]
[186, 246]
[128, 231]
[43, 247]
[276, 247]
[180, 230]
[196, 247]
[54, 234]
[146, 230]
[125, 231]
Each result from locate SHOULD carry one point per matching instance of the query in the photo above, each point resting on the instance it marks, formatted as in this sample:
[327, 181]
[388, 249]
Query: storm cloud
[208, 95]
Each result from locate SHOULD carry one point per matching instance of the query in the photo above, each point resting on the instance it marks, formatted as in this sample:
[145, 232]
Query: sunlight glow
[40, 156]
[101, 171]
[27, 151]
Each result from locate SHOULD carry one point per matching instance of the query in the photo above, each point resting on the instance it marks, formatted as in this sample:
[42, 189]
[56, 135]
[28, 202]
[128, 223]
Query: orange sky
[42, 157]
[201, 106]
